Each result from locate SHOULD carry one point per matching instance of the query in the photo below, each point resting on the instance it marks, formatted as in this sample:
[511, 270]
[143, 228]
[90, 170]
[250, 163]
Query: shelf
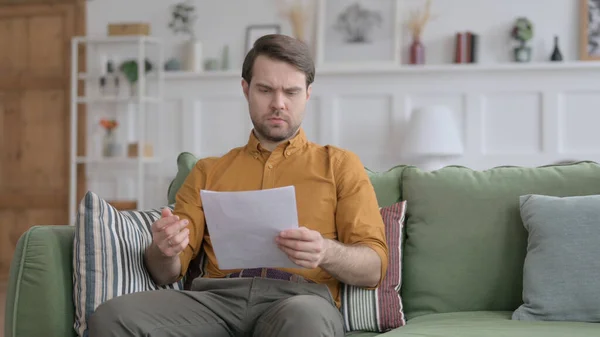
[370, 69]
[116, 160]
[459, 68]
[109, 99]
[136, 47]
[183, 75]
[88, 77]
[117, 39]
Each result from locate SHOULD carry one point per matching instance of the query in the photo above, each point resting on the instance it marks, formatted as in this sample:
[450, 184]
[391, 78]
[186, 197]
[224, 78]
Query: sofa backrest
[387, 184]
[465, 243]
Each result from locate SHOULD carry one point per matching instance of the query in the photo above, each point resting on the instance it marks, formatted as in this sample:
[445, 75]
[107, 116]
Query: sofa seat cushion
[490, 324]
[362, 334]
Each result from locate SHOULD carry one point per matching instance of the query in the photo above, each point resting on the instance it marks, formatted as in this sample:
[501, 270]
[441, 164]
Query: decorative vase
[133, 89]
[522, 54]
[109, 144]
[556, 53]
[417, 52]
[192, 55]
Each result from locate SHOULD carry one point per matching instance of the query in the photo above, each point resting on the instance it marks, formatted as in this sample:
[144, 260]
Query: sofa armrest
[40, 289]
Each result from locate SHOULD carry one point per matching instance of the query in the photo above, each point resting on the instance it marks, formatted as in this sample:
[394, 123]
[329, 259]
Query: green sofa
[463, 253]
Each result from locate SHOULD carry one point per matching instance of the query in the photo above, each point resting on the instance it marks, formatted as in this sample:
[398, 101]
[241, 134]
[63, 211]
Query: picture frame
[254, 32]
[589, 30]
[372, 39]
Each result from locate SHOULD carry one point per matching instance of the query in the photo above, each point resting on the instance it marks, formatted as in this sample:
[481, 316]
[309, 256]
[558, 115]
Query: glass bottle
[112, 79]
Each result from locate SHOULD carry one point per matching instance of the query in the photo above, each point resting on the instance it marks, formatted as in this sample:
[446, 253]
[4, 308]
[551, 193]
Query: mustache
[277, 114]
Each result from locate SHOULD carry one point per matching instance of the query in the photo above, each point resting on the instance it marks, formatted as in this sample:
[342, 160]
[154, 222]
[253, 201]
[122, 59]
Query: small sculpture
[173, 65]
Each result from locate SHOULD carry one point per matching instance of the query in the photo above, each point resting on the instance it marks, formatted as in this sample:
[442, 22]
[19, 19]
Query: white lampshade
[432, 131]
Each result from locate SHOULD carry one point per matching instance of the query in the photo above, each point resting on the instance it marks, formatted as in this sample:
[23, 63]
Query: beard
[275, 133]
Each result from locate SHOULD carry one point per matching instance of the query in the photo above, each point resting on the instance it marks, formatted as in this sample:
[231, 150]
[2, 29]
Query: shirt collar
[289, 146]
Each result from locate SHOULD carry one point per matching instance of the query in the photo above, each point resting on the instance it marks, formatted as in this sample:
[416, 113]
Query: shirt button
[287, 153]
[270, 166]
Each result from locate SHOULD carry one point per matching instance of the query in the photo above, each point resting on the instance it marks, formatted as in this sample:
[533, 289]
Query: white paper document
[243, 226]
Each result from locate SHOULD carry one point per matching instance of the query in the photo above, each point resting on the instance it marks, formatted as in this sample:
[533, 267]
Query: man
[341, 238]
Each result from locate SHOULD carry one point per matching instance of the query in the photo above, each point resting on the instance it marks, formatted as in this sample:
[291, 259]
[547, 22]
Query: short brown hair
[283, 48]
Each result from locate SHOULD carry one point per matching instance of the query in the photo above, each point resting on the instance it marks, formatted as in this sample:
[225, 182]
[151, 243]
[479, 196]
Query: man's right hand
[169, 234]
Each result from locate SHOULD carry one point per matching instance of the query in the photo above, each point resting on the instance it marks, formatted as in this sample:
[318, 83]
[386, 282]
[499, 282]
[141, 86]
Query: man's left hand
[303, 246]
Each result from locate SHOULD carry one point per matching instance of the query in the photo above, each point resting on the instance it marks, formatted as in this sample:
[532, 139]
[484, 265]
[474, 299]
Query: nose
[278, 101]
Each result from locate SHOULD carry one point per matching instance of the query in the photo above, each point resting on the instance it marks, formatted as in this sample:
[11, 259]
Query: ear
[245, 88]
[308, 92]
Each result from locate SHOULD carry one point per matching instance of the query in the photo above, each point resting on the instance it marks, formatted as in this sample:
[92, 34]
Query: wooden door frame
[80, 30]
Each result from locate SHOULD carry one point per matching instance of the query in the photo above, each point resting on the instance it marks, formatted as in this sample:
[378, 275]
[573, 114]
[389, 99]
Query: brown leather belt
[269, 274]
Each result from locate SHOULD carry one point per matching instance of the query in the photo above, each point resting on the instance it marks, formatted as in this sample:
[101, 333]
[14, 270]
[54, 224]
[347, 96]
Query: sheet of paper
[243, 226]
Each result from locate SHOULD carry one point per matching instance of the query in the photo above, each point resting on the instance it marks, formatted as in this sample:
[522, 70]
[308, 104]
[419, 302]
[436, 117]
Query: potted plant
[522, 32]
[183, 19]
[129, 69]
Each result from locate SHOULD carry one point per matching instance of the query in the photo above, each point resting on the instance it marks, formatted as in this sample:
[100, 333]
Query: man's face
[277, 97]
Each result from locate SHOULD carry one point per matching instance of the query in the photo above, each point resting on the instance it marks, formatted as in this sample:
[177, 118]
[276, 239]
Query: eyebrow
[270, 88]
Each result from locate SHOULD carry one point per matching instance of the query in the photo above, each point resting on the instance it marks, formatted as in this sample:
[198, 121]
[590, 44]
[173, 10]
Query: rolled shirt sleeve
[188, 205]
[358, 218]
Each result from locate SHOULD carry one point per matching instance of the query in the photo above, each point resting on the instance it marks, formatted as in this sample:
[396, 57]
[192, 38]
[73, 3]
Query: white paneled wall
[526, 115]
[508, 114]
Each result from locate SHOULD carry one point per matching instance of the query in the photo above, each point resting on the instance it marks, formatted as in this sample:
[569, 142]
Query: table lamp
[432, 137]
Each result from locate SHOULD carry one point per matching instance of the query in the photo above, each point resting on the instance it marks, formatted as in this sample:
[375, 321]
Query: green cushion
[562, 267]
[387, 185]
[185, 164]
[489, 324]
[40, 289]
[466, 244]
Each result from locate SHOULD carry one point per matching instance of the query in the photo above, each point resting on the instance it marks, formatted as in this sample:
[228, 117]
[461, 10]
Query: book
[466, 47]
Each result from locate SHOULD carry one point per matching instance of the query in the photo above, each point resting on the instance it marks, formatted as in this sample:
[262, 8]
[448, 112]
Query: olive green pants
[254, 307]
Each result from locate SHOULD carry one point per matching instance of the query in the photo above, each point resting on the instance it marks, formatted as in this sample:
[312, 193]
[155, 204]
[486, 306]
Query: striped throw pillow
[379, 310]
[108, 255]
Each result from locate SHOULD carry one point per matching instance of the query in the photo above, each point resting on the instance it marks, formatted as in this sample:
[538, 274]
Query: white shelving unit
[140, 99]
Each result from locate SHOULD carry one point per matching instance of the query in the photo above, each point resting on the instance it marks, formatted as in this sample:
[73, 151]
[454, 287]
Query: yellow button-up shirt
[333, 193]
